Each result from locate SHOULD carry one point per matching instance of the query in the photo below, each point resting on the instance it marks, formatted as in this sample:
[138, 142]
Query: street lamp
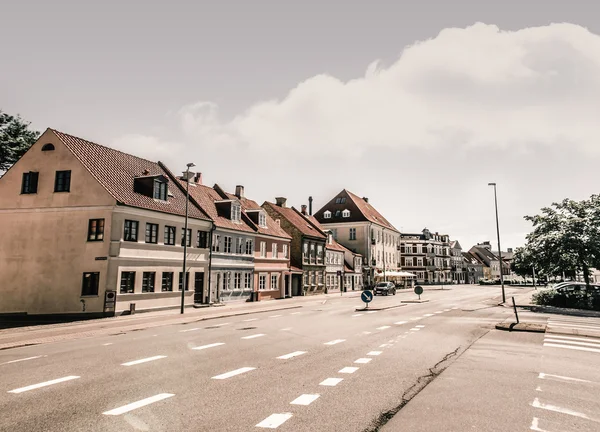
[499, 248]
[185, 234]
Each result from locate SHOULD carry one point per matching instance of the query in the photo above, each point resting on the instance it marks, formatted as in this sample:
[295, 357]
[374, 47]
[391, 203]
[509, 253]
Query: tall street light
[185, 234]
[499, 247]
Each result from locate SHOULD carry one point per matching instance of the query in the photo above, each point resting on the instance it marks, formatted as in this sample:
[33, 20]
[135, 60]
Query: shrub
[574, 299]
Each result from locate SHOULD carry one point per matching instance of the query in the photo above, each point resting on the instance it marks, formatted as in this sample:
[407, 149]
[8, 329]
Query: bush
[574, 299]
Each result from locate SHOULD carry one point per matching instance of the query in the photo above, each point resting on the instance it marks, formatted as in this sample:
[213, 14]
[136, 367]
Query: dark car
[570, 287]
[385, 288]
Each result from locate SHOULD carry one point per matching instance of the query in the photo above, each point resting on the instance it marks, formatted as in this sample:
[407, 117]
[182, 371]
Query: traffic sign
[419, 291]
[366, 296]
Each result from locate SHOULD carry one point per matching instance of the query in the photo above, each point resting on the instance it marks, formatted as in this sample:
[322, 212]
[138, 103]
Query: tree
[565, 237]
[15, 139]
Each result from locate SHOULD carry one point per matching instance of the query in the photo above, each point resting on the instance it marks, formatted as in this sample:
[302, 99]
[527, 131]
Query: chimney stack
[239, 191]
[365, 199]
[303, 211]
[281, 201]
[198, 178]
[310, 205]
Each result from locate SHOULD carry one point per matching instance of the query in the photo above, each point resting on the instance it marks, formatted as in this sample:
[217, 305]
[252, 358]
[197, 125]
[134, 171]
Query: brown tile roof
[205, 197]
[335, 246]
[115, 171]
[294, 217]
[272, 229]
[360, 211]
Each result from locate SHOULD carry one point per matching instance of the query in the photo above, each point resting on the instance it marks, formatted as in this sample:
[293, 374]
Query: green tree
[565, 237]
[15, 139]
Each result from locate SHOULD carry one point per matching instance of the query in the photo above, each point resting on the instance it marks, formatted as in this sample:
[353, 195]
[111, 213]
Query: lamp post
[499, 247]
[185, 234]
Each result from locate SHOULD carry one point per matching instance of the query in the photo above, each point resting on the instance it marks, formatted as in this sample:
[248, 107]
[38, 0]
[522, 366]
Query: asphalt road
[344, 370]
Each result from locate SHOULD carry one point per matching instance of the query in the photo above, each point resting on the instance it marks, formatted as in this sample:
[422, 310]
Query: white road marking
[537, 404]
[331, 382]
[573, 326]
[290, 355]
[233, 373]
[420, 326]
[567, 338]
[446, 310]
[550, 339]
[561, 378]
[286, 329]
[535, 425]
[454, 308]
[189, 330]
[144, 360]
[348, 370]
[437, 312]
[374, 353]
[107, 344]
[366, 332]
[44, 384]
[23, 359]
[334, 342]
[274, 421]
[428, 315]
[295, 313]
[275, 316]
[253, 336]
[212, 345]
[220, 325]
[251, 319]
[400, 322]
[576, 348]
[371, 311]
[362, 360]
[538, 388]
[135, 405]
[357, 315]
[385, 345]
[383, 327]
[305, 399]
[415, 329]
[416, 319]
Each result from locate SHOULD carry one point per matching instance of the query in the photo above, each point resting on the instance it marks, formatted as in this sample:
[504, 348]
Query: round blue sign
[366, 296]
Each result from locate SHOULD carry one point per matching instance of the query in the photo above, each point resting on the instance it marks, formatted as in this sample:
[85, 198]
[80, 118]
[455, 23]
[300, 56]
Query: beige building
[88, 230]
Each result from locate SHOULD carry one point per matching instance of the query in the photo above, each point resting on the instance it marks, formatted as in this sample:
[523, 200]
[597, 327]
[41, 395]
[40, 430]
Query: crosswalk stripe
[583, 339]
[595, 345]
[575, 326]
[572, 347]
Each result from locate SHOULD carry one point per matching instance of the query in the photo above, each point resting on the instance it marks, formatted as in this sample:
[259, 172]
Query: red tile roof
[296, 218]
[116, 171]
[335, 246]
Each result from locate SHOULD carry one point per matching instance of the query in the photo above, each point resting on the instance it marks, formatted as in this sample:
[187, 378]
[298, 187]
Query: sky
[416, 105]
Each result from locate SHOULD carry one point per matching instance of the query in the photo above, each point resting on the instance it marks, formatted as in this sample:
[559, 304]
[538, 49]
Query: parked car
[569, 287]
[385, 288]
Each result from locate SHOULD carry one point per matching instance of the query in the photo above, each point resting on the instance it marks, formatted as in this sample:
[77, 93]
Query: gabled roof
[296, 218]
[455, 245]
[360, 210]
[472, 258]
[116, 171]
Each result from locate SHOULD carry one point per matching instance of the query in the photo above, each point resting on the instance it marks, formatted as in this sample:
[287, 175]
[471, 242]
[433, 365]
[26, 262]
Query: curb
[379, 309]
[521, 327]
[415, 301]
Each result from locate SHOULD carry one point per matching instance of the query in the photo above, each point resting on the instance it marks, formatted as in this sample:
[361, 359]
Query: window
[321, 279]
[89, 284]
[352, 233]
[262, 282]
[216, 244]
[62, 182]
[320, 253]
[274, 282]
[48, 147]
[167, 281]
[239, 245]
[160, 190]
[274, 250]
[236, 212]
[337, 213]
[131, 231]
[263, 249]
[249, 247]
[327, 214]
[262, 219]
[285, 251]
[127, 282]
[334, 233]
[30, 182]
[227, 244]
[346, 213]
[237, 281]
[226, 281]
[414, 249]
[151, 233]
[148, 281]
[188, 237]
[305, 252]
[96, 230]
[169, 235]
[247, 280]
[202, 240]
[187, 280]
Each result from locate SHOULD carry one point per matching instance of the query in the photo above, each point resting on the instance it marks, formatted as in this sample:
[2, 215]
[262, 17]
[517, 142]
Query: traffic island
[363, 309]
[415, 301]
[522, 327]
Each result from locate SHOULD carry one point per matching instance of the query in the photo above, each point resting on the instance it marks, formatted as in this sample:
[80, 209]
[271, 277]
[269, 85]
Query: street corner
[522, 327]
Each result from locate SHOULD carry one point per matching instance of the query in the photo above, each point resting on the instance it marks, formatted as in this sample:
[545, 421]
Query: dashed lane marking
[371, 311]
[374, 353]
[537, 404]
[233, 373]
[357, 315]
[286, 329]
[385, 345]
[415, 329]
[212, 345]
[335, 342]
[428, 315]
[400, 322]
[420, 326]
[275, 316]
[220, 325]
[446, 310]
[383, 328]
[44, 384]
[362, 360]
[274, 420]
[251, 319]
[416, 319]
[561, 378]
[305, 399]
[295, 313]
[291, 355]
[331, 382]
[190, 330]
[108, 343]
[141, 403]
[254, 336]
[144, 360]
[438, 312]
[348, 370]
[23, 359]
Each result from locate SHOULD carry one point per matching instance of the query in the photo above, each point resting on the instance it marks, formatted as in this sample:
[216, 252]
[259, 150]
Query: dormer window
[337, 213]
[236, 212]
[340, 200]
[160, 190]
[262, 220]
[346, 213]
[327, 214]
[48, 147]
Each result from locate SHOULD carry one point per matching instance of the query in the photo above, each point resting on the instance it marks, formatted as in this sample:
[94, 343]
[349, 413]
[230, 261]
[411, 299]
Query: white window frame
[227, 243]
[274, 252]
[346, 213]
[262, 220]
[274, 281]
[327, 214]
[352, 234]
[263, 249]
[262, 281]
[285, 251]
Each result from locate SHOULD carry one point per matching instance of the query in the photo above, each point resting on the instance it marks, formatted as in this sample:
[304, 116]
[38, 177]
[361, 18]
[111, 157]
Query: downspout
[210, 248]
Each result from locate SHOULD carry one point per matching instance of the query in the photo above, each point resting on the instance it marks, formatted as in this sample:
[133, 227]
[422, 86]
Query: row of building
[86, 229]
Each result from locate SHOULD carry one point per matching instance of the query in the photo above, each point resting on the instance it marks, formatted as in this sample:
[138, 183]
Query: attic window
[48, 147]
[236, 212]
[346, 213]
[340, 200]
[262, 220]
[327, 215]
[337, 213]
[160, 190]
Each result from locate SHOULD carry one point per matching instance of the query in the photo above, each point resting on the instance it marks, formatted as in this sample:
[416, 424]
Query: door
[199, 287]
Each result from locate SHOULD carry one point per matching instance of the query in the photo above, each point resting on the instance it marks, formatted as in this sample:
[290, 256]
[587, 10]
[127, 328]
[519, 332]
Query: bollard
[515, 308]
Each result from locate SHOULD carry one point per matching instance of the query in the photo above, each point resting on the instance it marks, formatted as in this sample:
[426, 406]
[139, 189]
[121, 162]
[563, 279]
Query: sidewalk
[34, 335]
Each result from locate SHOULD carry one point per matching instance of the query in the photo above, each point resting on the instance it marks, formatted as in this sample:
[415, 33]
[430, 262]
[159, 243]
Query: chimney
[365, 199]
[198, 178]
[310, 205]
[145, 172]
[239, 191]
[510, 250]
[281, 201]
[303, 211]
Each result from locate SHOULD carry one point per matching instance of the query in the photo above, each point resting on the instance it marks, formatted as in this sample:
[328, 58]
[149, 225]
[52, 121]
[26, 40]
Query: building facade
[107, 228]
[457, 263]
[427, 255]
[490, 260]
[474, 268]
